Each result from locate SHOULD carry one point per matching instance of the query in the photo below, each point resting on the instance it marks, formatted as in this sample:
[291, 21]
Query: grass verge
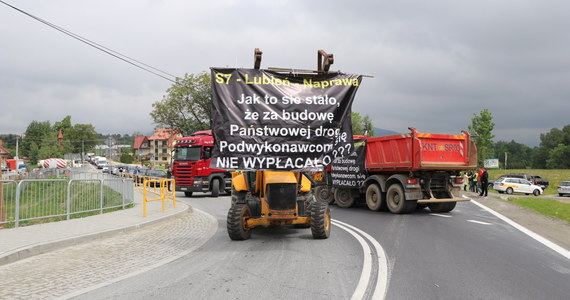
[545, 206]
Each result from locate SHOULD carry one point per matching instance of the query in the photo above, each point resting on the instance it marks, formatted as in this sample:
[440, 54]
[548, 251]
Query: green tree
[548, 142]
[82, 138]
[33, 137]
[361, 125]
[482, 128]
[126, 158]
[50, 147]
[518, 155]
[186, 106]
[558, 157]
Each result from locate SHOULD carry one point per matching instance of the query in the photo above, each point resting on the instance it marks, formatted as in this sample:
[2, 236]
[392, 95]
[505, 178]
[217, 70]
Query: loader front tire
[320, 220]
[236, 222]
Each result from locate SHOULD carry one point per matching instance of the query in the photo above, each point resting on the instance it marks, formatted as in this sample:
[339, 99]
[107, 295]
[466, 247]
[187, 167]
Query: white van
[101, 162]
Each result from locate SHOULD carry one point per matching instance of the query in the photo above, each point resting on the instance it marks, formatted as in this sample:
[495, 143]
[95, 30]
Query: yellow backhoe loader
[264, 198]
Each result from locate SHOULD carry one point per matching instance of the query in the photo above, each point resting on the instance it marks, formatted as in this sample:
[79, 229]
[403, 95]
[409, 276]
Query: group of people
[478, 181]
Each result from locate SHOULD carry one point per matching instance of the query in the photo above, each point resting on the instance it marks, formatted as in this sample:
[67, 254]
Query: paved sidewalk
[23, 242]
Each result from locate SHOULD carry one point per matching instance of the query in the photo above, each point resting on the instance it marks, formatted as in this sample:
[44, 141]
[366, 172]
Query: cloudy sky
[435, 63]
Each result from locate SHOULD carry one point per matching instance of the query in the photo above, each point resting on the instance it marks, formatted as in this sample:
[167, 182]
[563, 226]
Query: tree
[361, 125]
[33, 137]
[542, 156]
[126, 158]
[82, 138]
[518, 155]
[482, 129]
[187, 105]
[558, 157]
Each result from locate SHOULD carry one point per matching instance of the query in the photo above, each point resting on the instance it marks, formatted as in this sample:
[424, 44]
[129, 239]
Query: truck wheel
[237, 216]
[374, 198]
[188, 194]
[343, 197]
[215, 187]
[442, 207]
[536, 192]
[509, 191]
[320, 220]
[324, 194]
[396, 200]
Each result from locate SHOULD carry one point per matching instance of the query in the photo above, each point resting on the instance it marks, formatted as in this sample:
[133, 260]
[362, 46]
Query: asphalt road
[466, 254]
[276, 263]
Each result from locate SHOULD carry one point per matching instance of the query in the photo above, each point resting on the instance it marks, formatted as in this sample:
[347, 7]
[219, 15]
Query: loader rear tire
[375, 200]
[320, 220]
[442, 207]
[396, 199]
[236, 222]
[324, 194]
[343, 197]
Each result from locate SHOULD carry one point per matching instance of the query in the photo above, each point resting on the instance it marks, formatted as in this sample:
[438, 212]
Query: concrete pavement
[22, 242]
[37, 261]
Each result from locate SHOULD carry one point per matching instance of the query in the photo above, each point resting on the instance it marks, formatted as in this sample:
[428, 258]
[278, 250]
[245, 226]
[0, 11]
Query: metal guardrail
[43, 200]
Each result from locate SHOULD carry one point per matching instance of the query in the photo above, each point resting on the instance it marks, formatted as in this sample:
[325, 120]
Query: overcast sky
[435, 63]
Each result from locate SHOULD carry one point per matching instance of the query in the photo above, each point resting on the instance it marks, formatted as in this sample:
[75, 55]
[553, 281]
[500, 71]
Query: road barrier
[163, 190]
[43, 200]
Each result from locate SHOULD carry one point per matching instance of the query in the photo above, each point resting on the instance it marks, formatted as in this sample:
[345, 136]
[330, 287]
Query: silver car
[516, 185]
[564, 188]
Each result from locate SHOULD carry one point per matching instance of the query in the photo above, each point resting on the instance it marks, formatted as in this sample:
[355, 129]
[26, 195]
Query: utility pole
[505, 160]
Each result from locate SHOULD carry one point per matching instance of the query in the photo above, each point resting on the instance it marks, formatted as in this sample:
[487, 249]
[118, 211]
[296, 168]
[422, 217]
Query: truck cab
[191, 166]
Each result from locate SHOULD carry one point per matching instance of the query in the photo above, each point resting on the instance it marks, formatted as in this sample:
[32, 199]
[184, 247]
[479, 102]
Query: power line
[129, 60]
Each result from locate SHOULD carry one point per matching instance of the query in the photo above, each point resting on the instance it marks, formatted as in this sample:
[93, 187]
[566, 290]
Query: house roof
[165, 134]
[139, 141]
[3, 151]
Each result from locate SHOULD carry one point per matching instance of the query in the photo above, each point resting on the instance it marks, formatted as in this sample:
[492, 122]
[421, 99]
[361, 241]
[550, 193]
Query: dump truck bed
[420, 151]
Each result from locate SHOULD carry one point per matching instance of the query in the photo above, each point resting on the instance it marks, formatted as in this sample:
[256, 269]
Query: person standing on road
[168, 175]
[474, 182]
[484, 180]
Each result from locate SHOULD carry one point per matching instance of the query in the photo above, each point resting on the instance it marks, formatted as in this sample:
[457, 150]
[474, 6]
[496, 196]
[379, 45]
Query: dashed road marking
[440, 215]
[479, 222]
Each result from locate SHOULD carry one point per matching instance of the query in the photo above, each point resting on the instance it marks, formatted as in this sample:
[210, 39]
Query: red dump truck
[402, 172]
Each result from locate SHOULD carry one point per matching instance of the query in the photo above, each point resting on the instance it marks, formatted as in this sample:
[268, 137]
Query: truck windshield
[188, 153]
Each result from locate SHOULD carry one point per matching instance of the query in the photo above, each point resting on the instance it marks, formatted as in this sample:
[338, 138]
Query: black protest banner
[350, 172]
[263, 120]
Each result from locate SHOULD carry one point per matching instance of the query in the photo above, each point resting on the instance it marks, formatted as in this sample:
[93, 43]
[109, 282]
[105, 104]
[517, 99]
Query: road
[467, 254]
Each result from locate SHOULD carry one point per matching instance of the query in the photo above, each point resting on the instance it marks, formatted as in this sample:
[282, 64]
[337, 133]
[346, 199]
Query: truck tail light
[412, 181]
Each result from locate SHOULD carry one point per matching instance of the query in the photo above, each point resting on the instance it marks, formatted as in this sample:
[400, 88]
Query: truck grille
[184, 174]
[281, 196]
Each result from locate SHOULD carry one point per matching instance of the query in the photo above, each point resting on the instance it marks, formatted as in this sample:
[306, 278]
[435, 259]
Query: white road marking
[439, 215]
[479, 222]
[524, 230]
[382, 277]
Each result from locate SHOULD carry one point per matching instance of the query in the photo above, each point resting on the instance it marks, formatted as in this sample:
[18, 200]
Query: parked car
[511, 185]
[155, 174]
[535, 179]
[564, 188]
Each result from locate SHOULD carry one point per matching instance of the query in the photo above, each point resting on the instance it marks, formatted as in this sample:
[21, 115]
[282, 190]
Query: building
[161, 145]
[141, 148]
[4, 153]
